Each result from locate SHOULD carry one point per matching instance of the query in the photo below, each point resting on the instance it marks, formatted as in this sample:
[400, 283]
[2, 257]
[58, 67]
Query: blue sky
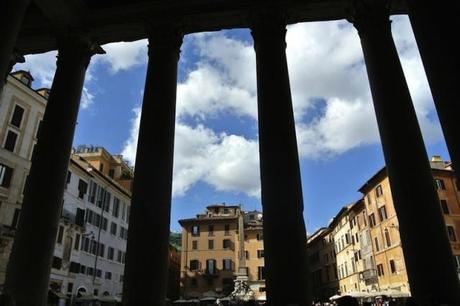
[216, 150]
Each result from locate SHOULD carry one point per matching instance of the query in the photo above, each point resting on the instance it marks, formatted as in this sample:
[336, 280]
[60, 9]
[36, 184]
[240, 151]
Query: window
[194, 265]
[376, 244]
[444, 207]
[364, 218]
[392, 266]
[227, 264]
[123, 233]
[210, 266]
[120, 256]
[108, 275]
[227, 230]
[80, 217]
[5, 176]
[260, 273]
[69, 287]
[101, 249]
[110, 253]
[260, 237]
[210, 230]
[82, 269]
[16, 119]
[77, 242]
[439, 184]
[60, 234]
[380, 270]
[382, 213]
[107, 198]
[451, 233]
[195, 230]
[116, 207]
[74, 267]
[211, 244]
[378, 191]
[226, 243]
[113, 228]
[82, 188]
[457, 261]
[193, 282]
[39, 128]
[194, 245]
[387, 238]
[69, 177]
[372, 220]
[111, 173]
[260, 253]
[246, 254]
[10, 141]
[57, 263]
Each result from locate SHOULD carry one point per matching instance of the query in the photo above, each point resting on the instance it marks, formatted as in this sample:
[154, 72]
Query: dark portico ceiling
[108, 21]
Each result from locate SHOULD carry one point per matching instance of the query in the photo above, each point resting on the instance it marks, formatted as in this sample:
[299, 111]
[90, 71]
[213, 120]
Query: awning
[58, 294]
[110, 298]
[335, 297]
[262, 298]
[208, 298]
[358, 294]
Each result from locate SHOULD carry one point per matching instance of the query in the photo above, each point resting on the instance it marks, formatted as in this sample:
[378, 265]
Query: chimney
[436, 158]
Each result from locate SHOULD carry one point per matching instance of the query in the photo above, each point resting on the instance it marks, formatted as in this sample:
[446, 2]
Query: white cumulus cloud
[226, 162]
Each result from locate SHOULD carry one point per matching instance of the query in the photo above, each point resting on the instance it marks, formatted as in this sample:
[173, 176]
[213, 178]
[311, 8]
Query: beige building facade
[369, 253]
[323, 266]
[21, 112]
[213, 254]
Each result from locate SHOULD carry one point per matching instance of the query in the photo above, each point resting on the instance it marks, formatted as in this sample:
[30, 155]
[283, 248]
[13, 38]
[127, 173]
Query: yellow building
[323, 267]
[384, 227]
[254, 252]
[346, 230]
[210, 252]
[220, 246]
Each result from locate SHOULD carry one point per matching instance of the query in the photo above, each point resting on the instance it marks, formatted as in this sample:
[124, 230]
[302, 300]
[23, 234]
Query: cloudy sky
[216, 144]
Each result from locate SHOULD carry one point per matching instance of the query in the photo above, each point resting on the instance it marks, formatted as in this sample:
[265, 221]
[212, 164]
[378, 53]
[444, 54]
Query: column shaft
[282, 201]
[30, 260]
[10, 24]
[148, 238]
[435, 23]
[427, 251]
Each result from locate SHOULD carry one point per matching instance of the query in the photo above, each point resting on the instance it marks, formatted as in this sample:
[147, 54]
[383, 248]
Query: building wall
[110, 281]
[18, 161]
[196, 282]
[254, 248]
[388, 254]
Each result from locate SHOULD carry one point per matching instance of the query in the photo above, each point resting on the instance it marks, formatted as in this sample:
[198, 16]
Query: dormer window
[25, 80]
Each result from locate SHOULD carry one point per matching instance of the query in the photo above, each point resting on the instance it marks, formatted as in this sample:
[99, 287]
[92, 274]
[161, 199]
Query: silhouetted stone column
[30, 260]
[282, 202]
[436, 26]
[10, 24]
[147, 257]
[427, 251]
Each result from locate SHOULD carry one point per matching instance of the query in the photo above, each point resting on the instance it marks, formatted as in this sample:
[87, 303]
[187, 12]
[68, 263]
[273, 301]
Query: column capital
[166, 37]
[269, 26]
[77, 48]
[369, 15]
